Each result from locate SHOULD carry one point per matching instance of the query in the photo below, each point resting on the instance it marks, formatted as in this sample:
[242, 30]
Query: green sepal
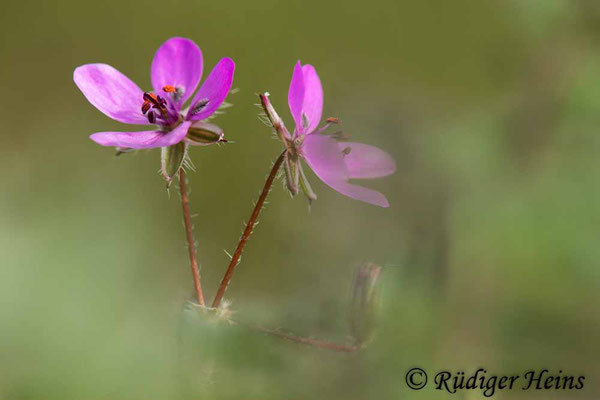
[306, 188]
[123, 150]
[291, 175]
[171, 160]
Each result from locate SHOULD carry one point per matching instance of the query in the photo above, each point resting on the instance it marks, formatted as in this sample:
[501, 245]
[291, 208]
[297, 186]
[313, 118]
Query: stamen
[156, 103]
[346, 151]
[175, 92]
[328, 122]
[151, 97]
[322, 129]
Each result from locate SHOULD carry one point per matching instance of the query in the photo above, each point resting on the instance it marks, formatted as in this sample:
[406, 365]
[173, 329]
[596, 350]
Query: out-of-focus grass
[490, 247]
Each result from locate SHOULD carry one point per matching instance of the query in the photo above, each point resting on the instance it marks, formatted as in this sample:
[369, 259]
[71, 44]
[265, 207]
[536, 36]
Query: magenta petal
[326, 159]
[305, 96]
[178, 63]
[143, 139]
[111, 92]
[366, 161]
[313, 97]
[213, 91]
[296, 94]
[361, 193]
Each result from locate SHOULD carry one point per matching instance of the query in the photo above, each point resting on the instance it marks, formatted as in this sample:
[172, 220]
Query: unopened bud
[363, 305]
[204, 133]
[274, 118]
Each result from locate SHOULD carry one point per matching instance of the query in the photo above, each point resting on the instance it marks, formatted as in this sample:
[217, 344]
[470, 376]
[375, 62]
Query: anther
[151, 97]
[155, 102]
[175, 92]
[333, 120]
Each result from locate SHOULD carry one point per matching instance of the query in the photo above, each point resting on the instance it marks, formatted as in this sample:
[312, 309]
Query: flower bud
[204, 133]
[274, 118]
[363, 303]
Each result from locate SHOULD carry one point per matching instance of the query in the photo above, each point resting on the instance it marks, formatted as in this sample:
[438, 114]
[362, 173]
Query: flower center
[294, 147]
[155, 106]
[152, 106]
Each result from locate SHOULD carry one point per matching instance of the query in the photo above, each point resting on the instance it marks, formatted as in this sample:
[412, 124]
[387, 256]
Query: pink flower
[175, 74]
[333, 160]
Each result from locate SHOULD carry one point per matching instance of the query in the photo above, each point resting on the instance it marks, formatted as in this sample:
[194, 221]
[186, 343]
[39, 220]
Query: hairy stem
[190, 236]
[247, 231]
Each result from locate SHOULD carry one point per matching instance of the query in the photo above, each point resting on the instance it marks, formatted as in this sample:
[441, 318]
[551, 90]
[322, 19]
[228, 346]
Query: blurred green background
[490, 248]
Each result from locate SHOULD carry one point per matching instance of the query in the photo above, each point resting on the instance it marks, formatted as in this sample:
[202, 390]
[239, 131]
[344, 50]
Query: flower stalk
[247, 231]
[189, 230]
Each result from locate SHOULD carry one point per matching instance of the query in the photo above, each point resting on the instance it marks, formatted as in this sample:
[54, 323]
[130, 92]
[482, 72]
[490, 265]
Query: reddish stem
[190, 236]
[323, 344]
[247, 231]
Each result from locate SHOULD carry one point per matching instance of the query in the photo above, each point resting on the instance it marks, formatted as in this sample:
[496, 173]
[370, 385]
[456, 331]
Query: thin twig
[190, 236]
[225, 315]
[247, 231]
[323, 344]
